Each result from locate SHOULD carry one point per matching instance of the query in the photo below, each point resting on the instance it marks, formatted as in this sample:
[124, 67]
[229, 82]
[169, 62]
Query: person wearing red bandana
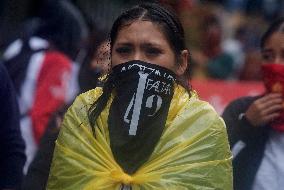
[255, 125]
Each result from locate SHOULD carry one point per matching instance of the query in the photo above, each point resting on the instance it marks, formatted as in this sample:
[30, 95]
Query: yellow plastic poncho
[193, 151]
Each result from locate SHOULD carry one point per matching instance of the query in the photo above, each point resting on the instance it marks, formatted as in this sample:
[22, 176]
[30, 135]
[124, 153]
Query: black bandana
[138, 113]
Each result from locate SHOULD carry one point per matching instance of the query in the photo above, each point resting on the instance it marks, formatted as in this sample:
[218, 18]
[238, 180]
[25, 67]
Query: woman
[256, 124]
[146, 129]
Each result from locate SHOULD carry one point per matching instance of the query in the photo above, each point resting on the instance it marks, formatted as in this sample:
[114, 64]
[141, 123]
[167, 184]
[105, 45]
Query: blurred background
[222, 36]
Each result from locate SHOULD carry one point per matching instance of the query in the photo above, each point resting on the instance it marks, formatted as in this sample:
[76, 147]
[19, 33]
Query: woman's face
[273, 51]
[143, 40]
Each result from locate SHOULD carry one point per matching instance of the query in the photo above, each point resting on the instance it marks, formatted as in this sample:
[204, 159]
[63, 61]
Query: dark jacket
[37, 176]
[248, 159]
[12, 155]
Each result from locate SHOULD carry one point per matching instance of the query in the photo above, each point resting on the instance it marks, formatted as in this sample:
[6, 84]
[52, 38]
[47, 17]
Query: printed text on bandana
[153, 101]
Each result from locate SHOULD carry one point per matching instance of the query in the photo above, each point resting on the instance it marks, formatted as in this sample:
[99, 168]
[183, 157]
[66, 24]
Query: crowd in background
[222, 35]
[61, 48]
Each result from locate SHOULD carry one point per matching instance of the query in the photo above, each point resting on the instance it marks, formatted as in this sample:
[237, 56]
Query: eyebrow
[151, 44]
[147, 44]
[124, 44]
[267, 50]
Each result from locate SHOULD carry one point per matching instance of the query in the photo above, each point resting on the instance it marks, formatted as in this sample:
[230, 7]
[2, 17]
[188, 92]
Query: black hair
[88, 77]
[276, 26]
[172, 29]
[155, 13]
[64, 26]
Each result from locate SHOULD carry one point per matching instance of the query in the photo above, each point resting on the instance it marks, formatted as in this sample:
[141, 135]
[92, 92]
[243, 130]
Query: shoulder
[189, 103]
[204, 110]
[199, 118]
[190, 109]
[78, 112]
[87, 98]
[241, 103]
[200, 105]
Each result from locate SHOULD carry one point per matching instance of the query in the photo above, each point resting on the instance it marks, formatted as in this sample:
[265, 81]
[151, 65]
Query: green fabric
[192, 153]
[221, 67]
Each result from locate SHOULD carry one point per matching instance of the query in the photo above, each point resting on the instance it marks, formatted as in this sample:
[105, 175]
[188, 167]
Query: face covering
[273, 78]
[138, 113]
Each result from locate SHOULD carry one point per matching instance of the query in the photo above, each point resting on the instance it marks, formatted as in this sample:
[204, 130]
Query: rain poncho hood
[192, 153]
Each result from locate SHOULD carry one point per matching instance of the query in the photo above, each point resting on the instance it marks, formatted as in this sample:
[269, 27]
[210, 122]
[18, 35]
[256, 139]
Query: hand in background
[265, 109]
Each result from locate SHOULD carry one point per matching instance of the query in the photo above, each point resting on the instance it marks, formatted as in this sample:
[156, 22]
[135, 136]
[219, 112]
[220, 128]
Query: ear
[183, 62]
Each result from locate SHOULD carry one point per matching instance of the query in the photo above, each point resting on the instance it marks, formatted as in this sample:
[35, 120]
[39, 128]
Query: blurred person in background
[99, 19]
[250, 35]
[256, 124]
[211, 61]
[219, 64]
[268, 9]
[12, 147]
[98, 65]
[41, 65]
[251, 70]
[234, 46]
[37, 175]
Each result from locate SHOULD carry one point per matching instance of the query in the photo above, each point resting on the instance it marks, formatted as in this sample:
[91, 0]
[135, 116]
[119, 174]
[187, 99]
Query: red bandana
[273, 78]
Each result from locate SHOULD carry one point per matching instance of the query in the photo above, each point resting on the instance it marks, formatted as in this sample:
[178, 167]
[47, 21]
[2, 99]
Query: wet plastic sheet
[193, 152]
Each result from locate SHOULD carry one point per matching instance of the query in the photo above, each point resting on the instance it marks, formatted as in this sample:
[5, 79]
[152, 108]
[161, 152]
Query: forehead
[141, 31]
[276, 40]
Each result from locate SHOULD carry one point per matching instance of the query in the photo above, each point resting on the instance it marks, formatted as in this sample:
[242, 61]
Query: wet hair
[155, 13]
[171, 28]
[276, 26]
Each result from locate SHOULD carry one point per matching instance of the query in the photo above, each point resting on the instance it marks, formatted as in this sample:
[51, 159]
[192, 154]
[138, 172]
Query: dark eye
[153, 51]
[123, 50]
[267, 56]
